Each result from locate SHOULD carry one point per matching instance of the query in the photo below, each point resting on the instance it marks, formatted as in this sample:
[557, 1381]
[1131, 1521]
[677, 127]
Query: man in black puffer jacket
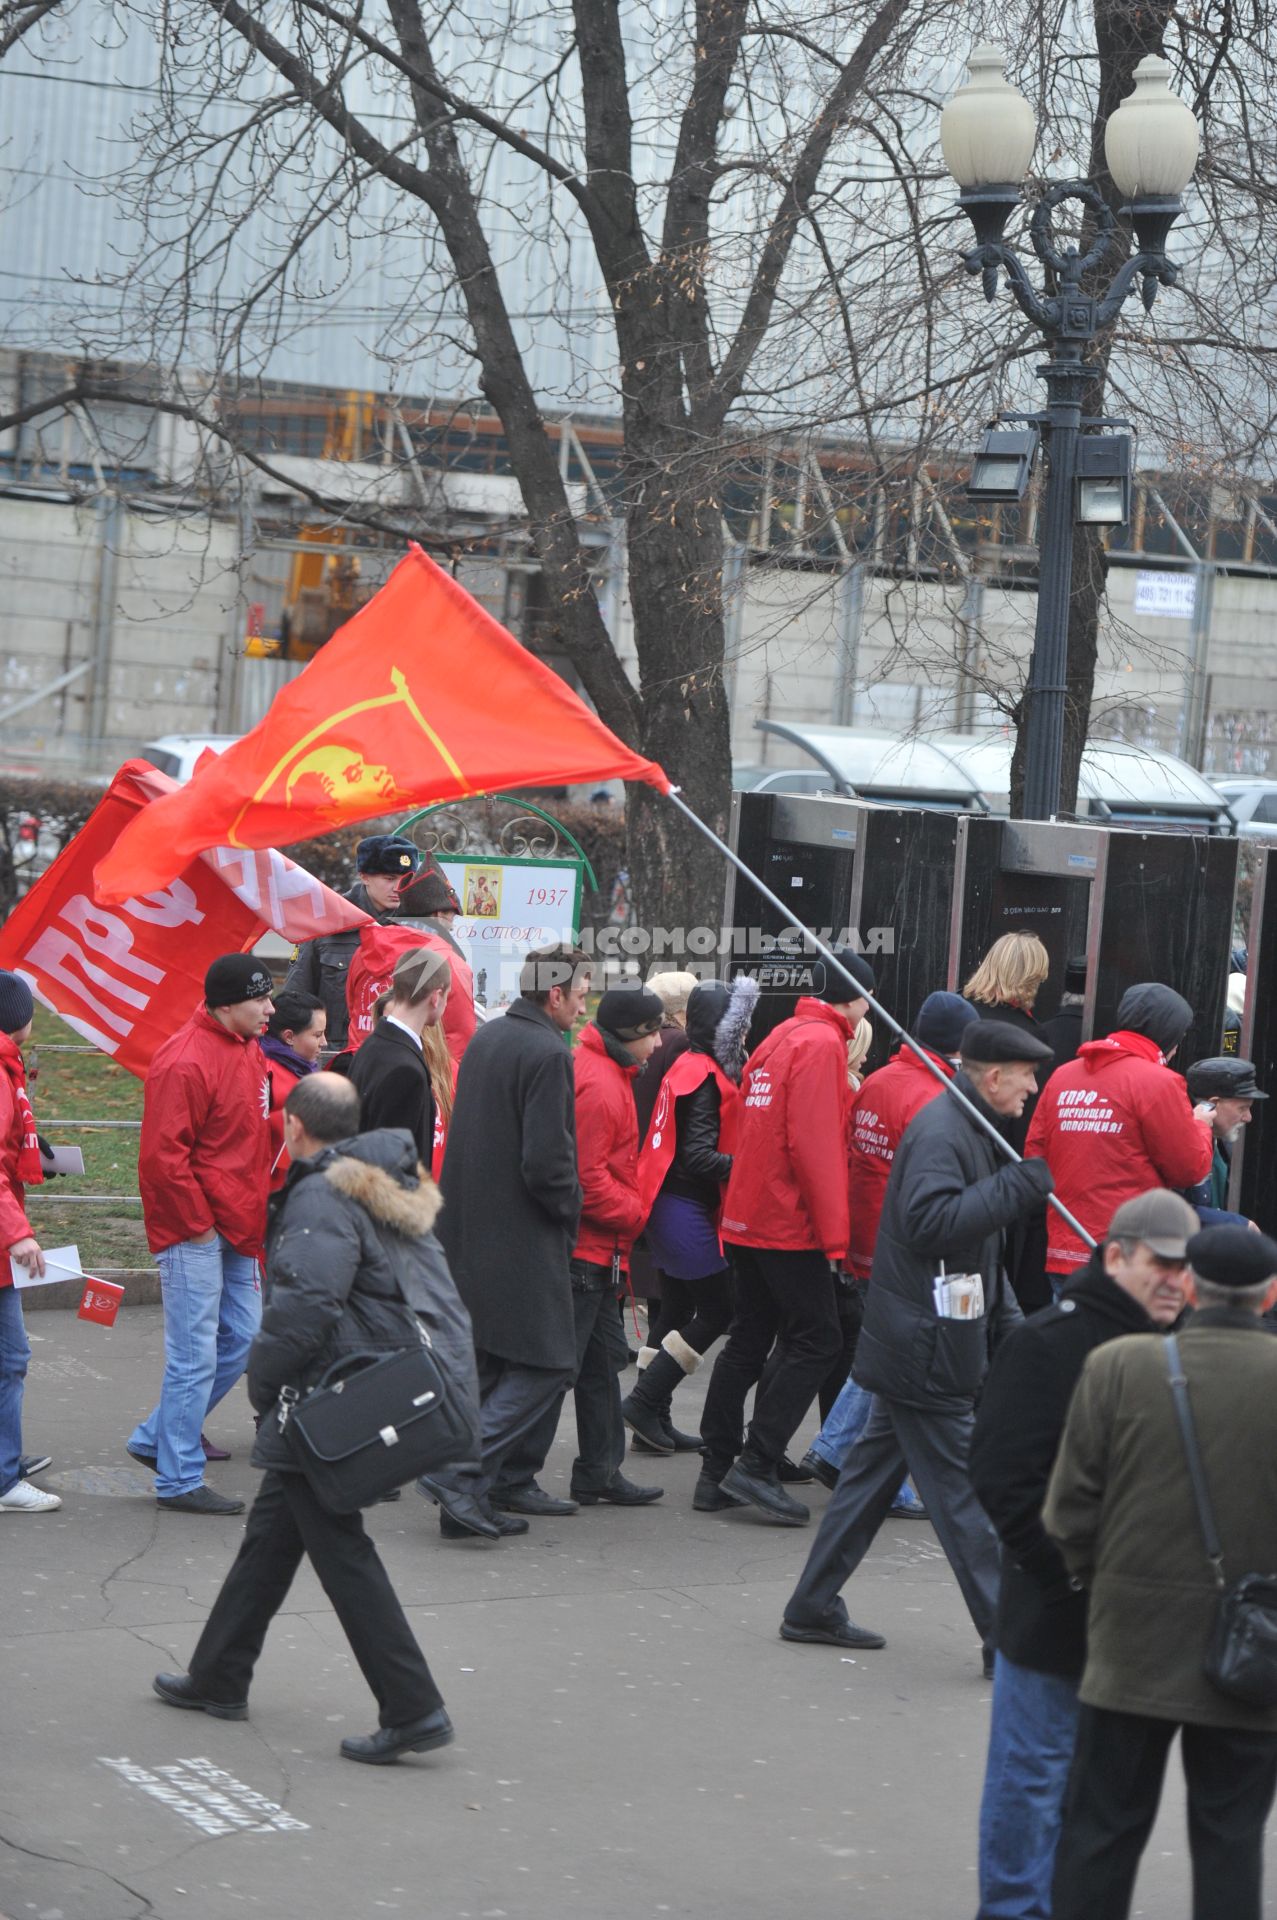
[949, 1200]
[1133, 1284]
[352, 1266]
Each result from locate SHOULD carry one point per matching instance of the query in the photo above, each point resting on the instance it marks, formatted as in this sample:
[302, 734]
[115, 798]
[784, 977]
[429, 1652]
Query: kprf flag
[127, 976]
[422, 696]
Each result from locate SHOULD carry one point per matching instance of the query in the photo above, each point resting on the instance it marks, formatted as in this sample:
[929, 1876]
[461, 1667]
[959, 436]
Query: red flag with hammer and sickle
[422, 696]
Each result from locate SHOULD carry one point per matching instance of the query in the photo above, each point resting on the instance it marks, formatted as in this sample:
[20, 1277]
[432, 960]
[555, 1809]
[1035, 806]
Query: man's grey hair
[326, 1105]
[1249, 1299]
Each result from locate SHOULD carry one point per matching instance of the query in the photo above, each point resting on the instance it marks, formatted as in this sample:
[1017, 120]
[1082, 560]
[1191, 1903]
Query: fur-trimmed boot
[647, 1409]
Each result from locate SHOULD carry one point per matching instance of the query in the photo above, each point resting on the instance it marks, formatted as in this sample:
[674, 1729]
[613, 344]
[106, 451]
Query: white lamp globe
[1151, 141]
[987, 129]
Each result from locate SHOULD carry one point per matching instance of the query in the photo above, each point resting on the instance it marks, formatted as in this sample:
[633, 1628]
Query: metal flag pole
[880, 1012]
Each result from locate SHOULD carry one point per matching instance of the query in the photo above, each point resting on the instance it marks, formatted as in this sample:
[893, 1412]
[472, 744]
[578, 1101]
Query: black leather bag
[374, 1422]
[1241, 1659]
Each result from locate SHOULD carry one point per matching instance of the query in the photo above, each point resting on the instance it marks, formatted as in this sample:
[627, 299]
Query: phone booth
[876, 876]
[1141, 906]
[1252, 1189]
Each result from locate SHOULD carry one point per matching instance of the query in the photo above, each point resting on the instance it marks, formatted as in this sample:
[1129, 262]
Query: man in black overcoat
[512, 1203]
[949, 1201]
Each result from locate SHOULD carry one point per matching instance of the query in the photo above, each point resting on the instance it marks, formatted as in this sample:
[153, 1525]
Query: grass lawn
[87, 1086]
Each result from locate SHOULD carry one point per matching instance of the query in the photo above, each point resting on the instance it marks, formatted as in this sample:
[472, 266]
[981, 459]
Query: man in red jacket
[605, 1064]
[785, 1212]
[204, 1170]
[1116, 1121]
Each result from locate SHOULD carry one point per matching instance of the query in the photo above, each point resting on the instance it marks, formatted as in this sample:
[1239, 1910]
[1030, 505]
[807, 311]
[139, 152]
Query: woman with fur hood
[352, 1267]
[683, 1169]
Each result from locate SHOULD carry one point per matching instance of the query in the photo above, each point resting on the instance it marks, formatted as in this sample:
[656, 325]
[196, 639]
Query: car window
[1266, 810]
[166, 762]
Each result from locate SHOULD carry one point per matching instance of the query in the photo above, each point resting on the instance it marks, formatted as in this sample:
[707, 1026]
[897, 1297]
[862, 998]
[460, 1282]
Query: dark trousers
[784, 1335]
[699, 1311]
[286, 1522]
[934, 1448]
[602, 1354]
[851, 1296]
[518, 1415]
[1111, 1802]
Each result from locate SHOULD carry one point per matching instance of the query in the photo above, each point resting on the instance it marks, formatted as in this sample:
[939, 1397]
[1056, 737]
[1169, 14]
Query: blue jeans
[212, 1309]
[1031, 1739]
[15, 1351]
[844, 1426]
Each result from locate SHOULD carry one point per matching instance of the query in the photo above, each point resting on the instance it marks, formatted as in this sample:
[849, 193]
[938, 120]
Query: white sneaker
[22, 1497]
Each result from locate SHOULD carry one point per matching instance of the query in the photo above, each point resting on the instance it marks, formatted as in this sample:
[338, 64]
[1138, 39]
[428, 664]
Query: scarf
[30, 1168]
[282, 1054]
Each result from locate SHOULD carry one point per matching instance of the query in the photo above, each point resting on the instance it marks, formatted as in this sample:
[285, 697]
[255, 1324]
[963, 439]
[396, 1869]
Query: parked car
[177, 754]
[1253, 804]
[971, 773]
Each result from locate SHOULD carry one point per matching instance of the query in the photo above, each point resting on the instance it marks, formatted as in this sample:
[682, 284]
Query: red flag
[126, 978]
[422, 696]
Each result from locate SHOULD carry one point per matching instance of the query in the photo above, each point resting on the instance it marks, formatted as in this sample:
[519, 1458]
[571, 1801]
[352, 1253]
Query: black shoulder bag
[374, 1422]
[1241, 1659]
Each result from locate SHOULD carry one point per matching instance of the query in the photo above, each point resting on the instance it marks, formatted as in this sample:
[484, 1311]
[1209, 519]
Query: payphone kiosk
[878, 877]
[1141, 906]
[1253, 1187]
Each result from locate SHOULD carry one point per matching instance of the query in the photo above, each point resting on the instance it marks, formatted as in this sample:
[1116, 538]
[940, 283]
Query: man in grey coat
[512, 1203]
[949, 1200]
[1120, 1506]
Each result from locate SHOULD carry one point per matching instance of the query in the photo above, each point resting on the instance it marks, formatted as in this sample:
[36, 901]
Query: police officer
[384, 862]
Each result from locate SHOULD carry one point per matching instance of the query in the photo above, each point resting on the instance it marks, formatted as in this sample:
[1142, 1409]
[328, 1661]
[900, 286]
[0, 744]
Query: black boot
[643, 1405]
[682, 1442]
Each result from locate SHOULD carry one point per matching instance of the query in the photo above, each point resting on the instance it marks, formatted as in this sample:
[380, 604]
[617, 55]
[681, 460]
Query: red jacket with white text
[14, 1225]
[1111, 1124]
[880, 1112]
[204, 1159]
[788, 1188]
[372, 966]
[607, 1145]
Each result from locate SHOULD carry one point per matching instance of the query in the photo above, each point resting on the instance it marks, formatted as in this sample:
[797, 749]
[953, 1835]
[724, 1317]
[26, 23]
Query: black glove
[46, 1154]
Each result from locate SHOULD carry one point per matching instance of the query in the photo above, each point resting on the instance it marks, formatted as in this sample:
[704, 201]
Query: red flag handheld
[422, 696]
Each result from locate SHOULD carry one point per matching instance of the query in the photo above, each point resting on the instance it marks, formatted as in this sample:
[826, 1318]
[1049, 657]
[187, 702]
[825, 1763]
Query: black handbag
[1241, 1659]
[374, 1422]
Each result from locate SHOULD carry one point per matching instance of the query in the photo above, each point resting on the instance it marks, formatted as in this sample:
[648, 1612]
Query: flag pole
[880, 1012]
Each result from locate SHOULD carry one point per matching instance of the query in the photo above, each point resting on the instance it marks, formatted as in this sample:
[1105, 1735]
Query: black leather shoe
[533, 1500]
[462, 1509]
[767, 1495]
[791, 1475]
[818, 1469]
[833, 1633]
[419, 1736]
[620, 1493]
[147, 1460]
[506, 1524]
[199, 1500]
[708, 1497]
[178, 1690]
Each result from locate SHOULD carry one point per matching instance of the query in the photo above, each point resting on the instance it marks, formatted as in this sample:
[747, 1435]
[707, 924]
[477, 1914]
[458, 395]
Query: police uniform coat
[320, 965]
[512, 1198]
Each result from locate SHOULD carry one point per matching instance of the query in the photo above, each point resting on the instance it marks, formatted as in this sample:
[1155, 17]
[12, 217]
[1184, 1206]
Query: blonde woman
[1004, 987]
[858, 1052]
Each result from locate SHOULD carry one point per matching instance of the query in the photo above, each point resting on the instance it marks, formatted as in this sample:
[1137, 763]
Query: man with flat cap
[785, 1213]
[950, 1198]
[1134, 1283]
[1116, 1121]
[204, 1171]
[384, 862]
[1225, 1089]
[1120, 1507]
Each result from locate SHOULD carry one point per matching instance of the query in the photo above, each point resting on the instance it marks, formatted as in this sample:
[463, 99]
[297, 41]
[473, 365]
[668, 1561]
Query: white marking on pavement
[211, 1799]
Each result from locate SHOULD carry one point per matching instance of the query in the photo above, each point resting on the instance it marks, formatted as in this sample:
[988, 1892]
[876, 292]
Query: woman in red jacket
[295, 1036]
[683, 1170]
[19, 1168]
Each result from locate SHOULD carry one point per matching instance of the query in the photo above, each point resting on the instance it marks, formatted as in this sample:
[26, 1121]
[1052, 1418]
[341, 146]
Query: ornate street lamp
[987, 135]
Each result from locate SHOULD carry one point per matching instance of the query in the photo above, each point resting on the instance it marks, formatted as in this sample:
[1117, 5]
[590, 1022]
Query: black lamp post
[987, 133]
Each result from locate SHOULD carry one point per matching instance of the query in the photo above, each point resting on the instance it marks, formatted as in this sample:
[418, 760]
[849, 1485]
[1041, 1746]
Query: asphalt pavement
[633, 1738]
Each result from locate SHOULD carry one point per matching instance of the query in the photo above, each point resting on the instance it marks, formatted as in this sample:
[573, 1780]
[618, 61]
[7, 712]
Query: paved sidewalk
[633, 1737]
